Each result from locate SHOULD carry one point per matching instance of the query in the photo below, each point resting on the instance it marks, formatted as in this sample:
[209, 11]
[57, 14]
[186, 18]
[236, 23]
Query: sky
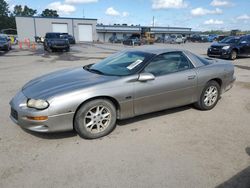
[200, 15]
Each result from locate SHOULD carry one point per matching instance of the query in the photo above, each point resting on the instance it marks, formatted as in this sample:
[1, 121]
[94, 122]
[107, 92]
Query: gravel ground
[181, 147]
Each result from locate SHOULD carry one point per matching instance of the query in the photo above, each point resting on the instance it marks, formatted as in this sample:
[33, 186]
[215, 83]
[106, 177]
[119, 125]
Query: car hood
[61, 82]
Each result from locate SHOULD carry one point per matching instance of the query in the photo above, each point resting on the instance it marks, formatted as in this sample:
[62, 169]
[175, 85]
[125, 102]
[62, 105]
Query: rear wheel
[95, 119]
[209, 96]
[233, 55]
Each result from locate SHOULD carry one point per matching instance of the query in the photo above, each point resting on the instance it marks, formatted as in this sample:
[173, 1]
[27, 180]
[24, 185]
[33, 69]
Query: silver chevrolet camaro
[90, 99]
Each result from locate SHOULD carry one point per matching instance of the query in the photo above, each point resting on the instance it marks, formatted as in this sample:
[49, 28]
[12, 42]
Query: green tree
[5, 22]
[24, 11]
[49, 13]
[4, 8]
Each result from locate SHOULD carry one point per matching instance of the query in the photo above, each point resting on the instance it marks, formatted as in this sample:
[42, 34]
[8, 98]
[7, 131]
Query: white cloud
[201, 11]
[11, 8]
[61, 8]
[243, 17]
[167, 4]
[80, 1]
[220, 3]
[112, 12]
[125, 14]
[213, 22]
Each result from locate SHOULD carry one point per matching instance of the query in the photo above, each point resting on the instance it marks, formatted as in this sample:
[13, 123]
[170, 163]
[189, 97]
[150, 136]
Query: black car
[132, 40]
[198, 38]
[114, 39]
[5, 43]
[70, 38]
[231, 47]
[56, 41]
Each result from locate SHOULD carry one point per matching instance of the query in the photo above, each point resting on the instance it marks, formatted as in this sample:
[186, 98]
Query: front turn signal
[37, 118]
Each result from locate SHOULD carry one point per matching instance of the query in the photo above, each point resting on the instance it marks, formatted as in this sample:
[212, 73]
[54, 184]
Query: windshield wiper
[93, 70]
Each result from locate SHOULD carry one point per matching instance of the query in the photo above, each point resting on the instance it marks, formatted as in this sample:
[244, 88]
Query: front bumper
[61, 46]
[218, 53]
[4, 47]
[54, 123]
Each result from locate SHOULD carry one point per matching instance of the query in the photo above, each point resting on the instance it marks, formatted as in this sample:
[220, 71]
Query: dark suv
[231, 47]
[56, 41]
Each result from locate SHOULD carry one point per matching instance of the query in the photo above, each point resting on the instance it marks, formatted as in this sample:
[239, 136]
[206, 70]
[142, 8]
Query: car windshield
[120, 64]
[53, 35]
[230, 40]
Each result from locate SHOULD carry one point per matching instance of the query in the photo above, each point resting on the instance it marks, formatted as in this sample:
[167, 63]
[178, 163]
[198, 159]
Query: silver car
[90, 99]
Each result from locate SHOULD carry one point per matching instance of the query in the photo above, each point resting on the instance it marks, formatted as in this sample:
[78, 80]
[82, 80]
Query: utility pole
[153, 21]
[83, 13]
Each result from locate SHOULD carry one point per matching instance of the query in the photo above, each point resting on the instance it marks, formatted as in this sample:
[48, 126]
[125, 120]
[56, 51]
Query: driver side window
[168, 63]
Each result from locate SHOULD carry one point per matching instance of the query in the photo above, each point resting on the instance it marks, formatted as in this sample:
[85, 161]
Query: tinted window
[53, 35]
[248, 38]
[205, 61]
[168, 63]
[229, 40]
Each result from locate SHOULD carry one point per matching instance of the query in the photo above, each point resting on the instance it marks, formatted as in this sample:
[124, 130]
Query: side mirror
[143, 77]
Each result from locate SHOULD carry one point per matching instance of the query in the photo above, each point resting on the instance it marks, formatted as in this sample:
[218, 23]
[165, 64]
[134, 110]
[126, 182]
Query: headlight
[226, 47]
[37, 104]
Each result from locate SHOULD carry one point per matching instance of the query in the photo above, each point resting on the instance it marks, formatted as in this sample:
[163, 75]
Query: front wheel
[95, 119]
[233, 55]
[209, 96]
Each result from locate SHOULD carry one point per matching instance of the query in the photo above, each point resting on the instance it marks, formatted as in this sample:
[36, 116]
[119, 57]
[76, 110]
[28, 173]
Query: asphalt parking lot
[181, 147]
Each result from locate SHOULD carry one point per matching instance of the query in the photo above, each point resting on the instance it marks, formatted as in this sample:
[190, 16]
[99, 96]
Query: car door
[174, 85]
[244, 46]
[248, 45]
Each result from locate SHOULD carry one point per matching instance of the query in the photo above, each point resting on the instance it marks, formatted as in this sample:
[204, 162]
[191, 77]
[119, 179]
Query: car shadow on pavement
[240, 180]
[54, 136]
[61, 135]
[3, 52]
[153, 115]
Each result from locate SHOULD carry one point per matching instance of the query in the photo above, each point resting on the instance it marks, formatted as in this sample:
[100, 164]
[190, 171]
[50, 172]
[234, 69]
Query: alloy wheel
[97, 119]
[210, 96]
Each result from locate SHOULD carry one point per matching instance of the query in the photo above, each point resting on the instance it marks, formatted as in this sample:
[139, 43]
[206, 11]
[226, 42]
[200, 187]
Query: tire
[209, 96]
[67, 49]
[95, 119]
[233, 55]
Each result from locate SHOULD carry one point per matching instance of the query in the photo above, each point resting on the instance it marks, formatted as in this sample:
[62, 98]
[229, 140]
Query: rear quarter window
[204, 60]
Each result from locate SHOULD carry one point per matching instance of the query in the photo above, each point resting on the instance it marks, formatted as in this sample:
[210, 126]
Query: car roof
[158, 51]
[54, 33]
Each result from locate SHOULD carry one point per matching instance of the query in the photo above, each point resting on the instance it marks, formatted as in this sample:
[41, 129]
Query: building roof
[138, 28]
[57, 18]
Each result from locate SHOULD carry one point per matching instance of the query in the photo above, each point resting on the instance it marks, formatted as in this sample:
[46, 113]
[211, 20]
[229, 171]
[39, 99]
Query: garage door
[60, 27]
[85, 33]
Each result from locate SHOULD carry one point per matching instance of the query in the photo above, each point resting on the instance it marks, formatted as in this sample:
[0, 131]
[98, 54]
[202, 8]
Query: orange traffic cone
[28, 43]
[33, 46]
[20, 45]
[25, 42]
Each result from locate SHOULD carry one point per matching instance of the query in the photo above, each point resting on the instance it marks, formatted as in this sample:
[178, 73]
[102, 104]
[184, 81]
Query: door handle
[191, 77]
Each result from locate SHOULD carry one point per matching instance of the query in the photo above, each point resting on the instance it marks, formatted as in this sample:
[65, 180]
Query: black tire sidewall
[80, 114]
